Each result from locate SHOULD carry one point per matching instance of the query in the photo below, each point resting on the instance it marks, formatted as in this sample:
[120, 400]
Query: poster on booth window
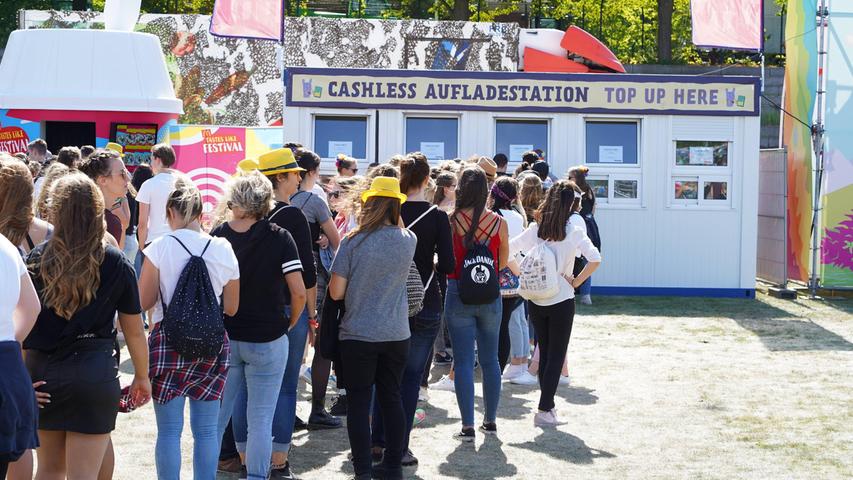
[610, 154]
[516, 151]
[433, 150]
[137, 140]
[339, 147]
[701, 155]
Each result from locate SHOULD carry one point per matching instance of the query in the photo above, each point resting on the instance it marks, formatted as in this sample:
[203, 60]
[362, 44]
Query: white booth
[673, 159]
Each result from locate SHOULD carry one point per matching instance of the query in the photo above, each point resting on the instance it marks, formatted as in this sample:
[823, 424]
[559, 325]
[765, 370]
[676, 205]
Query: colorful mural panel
[800, 88]
[836, 245]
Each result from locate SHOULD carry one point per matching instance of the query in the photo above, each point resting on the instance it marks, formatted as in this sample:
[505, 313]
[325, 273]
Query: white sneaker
[586, 299]
[547, 419]
[445, 384]
[524, 378]
[564, 379]
[512, 371]
[423, 395]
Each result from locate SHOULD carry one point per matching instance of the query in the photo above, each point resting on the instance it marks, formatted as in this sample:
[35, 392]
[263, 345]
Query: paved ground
[661, 388]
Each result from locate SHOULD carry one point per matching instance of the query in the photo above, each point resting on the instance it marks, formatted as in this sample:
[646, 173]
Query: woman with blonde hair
[51, 174]
[374, 331]
[531, 193]
[17, 221]
[271, 273]
[174, 377]
[82, 283]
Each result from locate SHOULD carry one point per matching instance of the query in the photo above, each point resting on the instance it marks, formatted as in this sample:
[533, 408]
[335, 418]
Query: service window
[612, 143]
[514, 137]
[701, 173]
[437, 138]
[334, 135]
[616, 189]
[701, 154]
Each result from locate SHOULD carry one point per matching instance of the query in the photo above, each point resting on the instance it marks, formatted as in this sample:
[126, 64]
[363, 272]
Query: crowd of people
[384, 274]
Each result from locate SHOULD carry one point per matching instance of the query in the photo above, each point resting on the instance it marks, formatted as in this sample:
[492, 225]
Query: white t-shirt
[155, 193]
[565, 250]
[320, 192]
[514, 222]
[11, 269]
[578, 221]
[170, 258]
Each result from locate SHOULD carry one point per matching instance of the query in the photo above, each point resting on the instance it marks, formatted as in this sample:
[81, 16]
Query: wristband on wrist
[313, 323]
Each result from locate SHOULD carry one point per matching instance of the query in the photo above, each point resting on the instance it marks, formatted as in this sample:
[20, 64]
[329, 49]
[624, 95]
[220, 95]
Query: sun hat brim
[383, 193]
[276, 170]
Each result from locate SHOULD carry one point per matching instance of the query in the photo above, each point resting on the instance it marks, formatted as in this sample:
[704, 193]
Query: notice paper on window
[610, 153]
[516, 151]
[337, 147]
[433, 150]
[701, 156]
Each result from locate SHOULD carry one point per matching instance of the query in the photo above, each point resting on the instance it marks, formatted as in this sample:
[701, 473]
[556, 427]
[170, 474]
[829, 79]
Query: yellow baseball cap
[116, 147]
[280, 160]
[384, 187]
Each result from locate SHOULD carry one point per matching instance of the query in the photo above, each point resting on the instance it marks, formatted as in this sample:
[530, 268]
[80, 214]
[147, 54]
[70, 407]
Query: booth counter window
[701, 174]
[334, 135]
[514, 137]
[437, 138]
[612, 154]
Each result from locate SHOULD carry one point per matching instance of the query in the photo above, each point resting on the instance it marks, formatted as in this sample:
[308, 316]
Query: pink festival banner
[729, 24]
[259, 19]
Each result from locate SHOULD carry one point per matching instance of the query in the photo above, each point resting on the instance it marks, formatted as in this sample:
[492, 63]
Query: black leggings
[553, 329]
[363, 365]
[4, 467]
[509, 306]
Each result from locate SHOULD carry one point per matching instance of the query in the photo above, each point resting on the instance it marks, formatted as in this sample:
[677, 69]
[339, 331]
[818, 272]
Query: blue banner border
[566, 77]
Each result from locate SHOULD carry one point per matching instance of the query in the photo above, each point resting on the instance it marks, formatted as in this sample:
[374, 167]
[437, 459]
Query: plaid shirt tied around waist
[174, 376]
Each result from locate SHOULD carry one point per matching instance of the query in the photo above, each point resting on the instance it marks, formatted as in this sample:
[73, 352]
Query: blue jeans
[519, 333]
[586, 287]
[424, 329]
[468, 323]
[170, 422]
[285, 409]
[259, 366]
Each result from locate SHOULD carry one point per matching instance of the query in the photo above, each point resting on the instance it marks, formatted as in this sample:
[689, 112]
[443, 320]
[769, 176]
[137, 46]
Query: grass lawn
[661, 388]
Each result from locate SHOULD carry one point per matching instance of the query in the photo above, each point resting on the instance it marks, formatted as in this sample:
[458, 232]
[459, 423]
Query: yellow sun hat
[384, 187]
[116, 147]
[280, 160]
[245, 166]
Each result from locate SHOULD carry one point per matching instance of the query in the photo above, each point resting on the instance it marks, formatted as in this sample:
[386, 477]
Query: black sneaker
[442, 359]
[322, 420]
[283, 473]
[490, 428]
[339, 406]
[299, 424]
[384, 472]
[409, 459]
[244, 474]
[466, 435]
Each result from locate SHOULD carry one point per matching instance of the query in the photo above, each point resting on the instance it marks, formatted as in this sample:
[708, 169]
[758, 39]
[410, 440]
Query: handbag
[415, 290]
[508, 282]
[330, 327]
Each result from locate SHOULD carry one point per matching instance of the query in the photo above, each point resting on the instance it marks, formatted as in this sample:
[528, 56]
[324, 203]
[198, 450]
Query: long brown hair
[559, 204]
[414, 170]
[579, 174]
[16, 199]
[471, 193]
[70, 265]
[376, 213]
[531, 194]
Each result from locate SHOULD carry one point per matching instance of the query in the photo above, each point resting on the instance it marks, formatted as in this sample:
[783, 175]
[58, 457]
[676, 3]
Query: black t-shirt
[587, 203]
[117, 292]
[434, 237]
[266, 253]
[293, 220]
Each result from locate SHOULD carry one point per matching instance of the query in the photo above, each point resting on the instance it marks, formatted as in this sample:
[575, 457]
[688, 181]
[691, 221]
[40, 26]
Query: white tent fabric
[66, 69]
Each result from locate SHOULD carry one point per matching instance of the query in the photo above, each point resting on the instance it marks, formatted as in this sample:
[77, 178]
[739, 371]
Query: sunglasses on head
[334, 194]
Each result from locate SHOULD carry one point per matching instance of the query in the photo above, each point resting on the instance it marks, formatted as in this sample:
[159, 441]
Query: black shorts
[83, 385]
[18, 410]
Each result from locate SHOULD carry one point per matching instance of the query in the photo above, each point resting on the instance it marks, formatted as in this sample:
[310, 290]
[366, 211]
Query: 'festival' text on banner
[498, 91]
